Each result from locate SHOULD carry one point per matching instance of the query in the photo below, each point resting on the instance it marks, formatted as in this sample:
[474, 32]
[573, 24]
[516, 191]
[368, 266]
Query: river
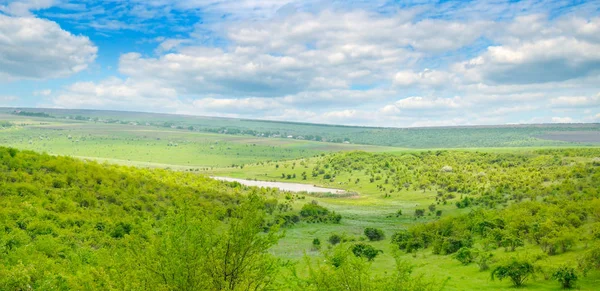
[292, 187]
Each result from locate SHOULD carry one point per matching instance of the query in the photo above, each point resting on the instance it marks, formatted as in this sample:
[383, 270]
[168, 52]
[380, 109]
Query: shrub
[517, 270]
[466, 255]
[374, 234]
[419, 212]
[316, 244]
[484, 260]
[335, 239]
[363, 250]
[566, 276]
[314, 213]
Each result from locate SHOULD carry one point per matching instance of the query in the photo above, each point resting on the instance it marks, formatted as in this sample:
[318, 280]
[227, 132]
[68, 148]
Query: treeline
[6, 124]
[68, 224]
[33, 114]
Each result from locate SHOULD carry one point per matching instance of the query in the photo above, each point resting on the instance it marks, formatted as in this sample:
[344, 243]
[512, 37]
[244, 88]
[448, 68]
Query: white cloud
[304, 52]
[116, 93]
[33, 48]
[427, 78]
[536, 51]
[562, 120]
[423, 103]
[576, 101]
[24, 7]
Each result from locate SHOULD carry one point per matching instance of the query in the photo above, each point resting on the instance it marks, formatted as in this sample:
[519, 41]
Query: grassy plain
[153, 145]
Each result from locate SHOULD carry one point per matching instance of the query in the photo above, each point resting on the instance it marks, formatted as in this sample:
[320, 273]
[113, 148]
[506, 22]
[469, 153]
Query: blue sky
[383, 63]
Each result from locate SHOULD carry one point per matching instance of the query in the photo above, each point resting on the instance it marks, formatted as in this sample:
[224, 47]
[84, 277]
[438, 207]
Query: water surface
[284, 186]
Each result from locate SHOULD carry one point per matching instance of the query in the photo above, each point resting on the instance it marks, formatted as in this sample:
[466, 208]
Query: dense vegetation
[508, 213]
[68, 224]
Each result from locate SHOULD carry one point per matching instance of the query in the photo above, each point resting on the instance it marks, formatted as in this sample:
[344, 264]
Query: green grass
[156, 146]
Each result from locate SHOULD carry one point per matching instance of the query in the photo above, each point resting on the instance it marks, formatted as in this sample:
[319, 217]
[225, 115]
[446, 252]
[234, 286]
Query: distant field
[435, 137]
[146, 145]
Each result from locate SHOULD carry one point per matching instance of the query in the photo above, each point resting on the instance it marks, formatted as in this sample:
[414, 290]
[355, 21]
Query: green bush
[566, 276]
[363, 250]
[517, 270]
[374, 234]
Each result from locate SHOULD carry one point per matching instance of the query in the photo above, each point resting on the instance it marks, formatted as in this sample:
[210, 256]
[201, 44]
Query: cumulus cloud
[427, 78]
[304, 52]
[33, 48]
[116, 93]
[576, 101]
[424, 103]
[536, 51]
[562, 119]
[24, 7]
[358, 66]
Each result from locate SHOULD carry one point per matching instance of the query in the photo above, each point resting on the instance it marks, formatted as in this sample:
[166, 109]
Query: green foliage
[316, 244]
[365, 251]
[518, 271]
[466, 255]
[374, 234]
[111, 227]
[335, 239]
[484, 260]
[566, 276]
[591, 259]
[344, 271]
[314, 213]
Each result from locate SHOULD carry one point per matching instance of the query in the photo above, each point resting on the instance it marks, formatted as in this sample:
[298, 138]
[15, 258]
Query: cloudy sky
[359, 62]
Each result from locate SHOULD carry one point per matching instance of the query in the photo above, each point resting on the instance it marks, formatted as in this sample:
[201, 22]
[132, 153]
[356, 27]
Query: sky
[356, 62]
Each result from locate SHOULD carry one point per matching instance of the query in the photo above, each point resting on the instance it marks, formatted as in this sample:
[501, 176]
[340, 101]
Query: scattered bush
[363, 250]
[335, 239]
[374, 234]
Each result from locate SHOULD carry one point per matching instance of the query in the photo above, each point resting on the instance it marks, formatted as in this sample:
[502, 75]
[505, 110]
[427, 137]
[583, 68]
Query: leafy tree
[517, 270]
[374, 234]
[419, 212]
[466, 255]
[316, 243]
[335, 239]
[566, 276]
[365, 251]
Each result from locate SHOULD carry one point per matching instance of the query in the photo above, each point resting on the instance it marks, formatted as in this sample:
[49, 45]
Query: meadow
[428, 137]
[430, 203]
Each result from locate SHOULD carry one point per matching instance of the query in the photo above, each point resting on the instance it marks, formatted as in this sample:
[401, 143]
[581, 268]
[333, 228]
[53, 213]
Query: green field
[496, 170]
[432, 137]
[156, 145]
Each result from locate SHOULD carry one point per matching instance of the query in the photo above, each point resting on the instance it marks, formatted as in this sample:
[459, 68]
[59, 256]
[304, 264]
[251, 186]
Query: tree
[335, 239]
[365, 251]
[431, 208]
[484, 260]
[374, 234]
[517, 270]
[566, 276]
[419, 212]
[316, 244]
[466, 255]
